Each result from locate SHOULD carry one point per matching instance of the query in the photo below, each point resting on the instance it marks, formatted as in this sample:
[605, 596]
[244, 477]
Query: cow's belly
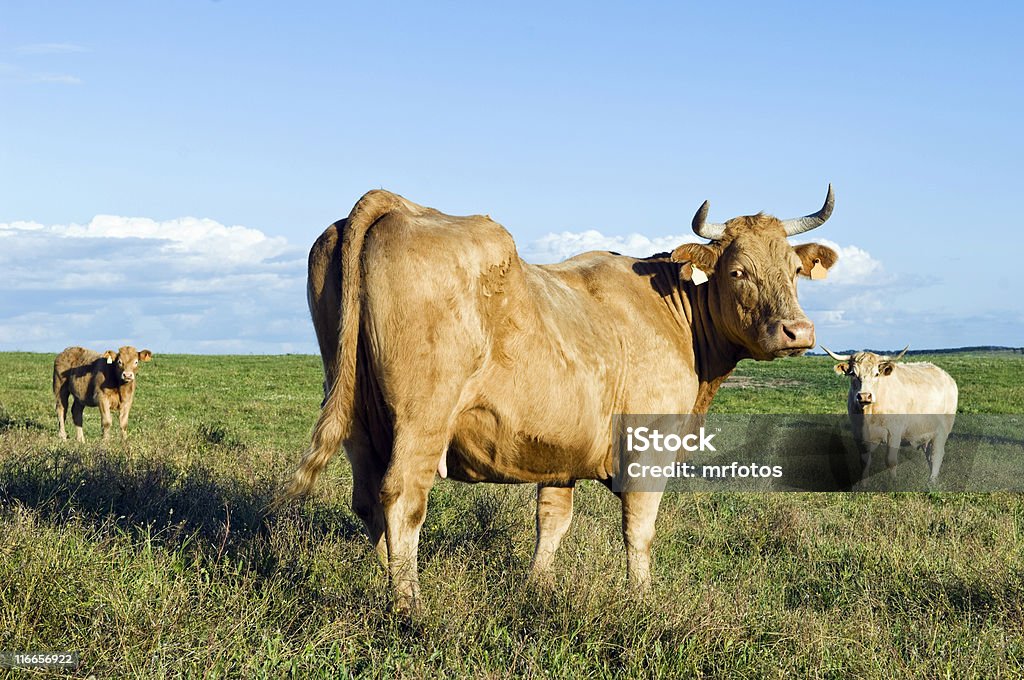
[912, 430]
[489, 448]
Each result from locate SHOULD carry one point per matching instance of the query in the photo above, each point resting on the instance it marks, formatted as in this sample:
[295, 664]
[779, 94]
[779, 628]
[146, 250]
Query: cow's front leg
[639, 512]
[893, 457]
[106, 419]
[554, 514]
[122, 419]
[403, 495]
[866, 449]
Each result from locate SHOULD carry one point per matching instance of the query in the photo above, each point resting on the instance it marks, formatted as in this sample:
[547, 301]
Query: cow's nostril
[796, 333]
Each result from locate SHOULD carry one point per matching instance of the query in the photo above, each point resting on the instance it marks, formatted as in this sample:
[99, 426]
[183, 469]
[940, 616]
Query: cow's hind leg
[938, 450]
[367, 473]
[63, 392]
[554, 514]
[403, 495]
[639, 511]
[78, 418]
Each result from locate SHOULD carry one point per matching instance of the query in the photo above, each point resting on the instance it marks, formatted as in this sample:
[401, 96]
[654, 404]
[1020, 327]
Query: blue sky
[165, 166]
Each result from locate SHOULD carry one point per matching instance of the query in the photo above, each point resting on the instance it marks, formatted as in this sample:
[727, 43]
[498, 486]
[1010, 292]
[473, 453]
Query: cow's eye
[136, 362]
[737, 273]
[799, 270]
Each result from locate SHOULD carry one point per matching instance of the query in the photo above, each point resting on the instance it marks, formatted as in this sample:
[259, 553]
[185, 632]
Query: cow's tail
[337, 413]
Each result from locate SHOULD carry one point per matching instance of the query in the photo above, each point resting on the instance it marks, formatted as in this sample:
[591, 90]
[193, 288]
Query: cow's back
[82, 370]
[918, 388]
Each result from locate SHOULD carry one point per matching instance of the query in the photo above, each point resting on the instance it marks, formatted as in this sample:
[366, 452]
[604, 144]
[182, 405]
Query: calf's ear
[110, 355]
[885, 368]
[842, 368]
[145, 355]
[698, 255]
[816, 259]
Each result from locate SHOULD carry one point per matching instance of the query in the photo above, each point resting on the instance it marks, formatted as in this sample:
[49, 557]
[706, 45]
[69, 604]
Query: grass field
[148, 559]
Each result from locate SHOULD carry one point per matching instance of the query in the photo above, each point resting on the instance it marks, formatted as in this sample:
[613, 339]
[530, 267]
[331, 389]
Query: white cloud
[59, 78]
[178, 285]
[556, 247]
[49, 48]
[855, 266]
[859, 303]
[195, 285]
[15, 75]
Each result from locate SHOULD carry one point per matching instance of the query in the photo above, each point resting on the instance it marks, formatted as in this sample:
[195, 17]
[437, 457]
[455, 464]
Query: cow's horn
[802, 224]
[900, 355]
[837, 357]
[701, 227]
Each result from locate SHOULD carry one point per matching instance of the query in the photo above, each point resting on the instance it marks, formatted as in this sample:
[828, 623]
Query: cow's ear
[842, 368]
[145, 355]
[815, 255]
[885, 368]
[701, 256]
[110, 355]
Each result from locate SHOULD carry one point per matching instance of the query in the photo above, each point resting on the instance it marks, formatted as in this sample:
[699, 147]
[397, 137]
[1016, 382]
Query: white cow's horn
[900, 355]
[802, 224]
[709, 230]
[837, 357]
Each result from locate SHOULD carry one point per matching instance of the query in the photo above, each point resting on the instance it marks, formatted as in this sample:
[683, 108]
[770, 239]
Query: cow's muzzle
[127, 377]
[791, 337]
[864, 398]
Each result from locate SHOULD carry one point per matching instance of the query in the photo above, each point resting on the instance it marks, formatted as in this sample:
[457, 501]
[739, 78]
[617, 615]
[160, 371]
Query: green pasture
[149, 558]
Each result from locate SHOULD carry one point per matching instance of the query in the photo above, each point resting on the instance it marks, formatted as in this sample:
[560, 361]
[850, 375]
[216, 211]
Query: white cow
[897, 404]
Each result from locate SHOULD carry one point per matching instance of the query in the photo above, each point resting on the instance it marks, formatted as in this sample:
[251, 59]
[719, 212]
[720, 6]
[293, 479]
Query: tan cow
[443, 350]
[895, 404]
[105, 380]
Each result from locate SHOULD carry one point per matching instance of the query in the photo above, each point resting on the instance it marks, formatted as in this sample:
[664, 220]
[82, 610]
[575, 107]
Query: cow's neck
[113, 382]
[714, 355]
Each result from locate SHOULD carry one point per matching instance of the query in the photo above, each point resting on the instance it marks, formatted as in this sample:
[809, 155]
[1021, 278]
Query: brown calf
[106, 380]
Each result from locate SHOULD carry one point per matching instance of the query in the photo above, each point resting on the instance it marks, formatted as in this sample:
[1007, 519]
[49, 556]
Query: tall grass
[150, 559]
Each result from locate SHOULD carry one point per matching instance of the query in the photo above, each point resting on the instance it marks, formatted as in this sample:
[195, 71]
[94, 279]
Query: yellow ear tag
[817, 271]
[697, 276]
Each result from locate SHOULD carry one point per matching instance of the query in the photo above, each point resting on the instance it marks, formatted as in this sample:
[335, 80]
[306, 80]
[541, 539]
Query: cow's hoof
[541, 580]
[410, 609]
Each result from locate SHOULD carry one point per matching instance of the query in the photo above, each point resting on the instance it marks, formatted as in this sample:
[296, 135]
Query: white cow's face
[867, 372]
